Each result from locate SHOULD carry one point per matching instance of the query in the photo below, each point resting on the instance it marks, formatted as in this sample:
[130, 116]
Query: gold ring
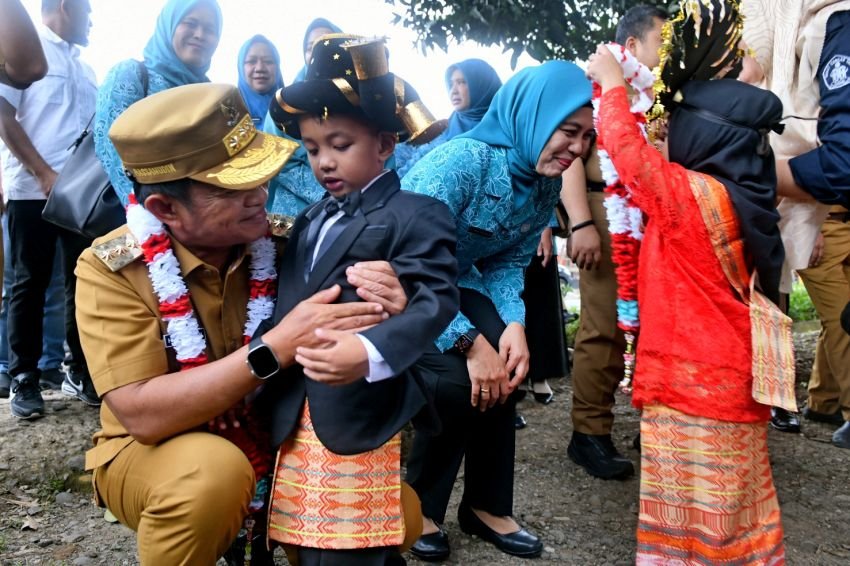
[485, 390]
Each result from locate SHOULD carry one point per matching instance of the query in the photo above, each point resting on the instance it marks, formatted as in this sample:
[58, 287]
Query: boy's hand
[341, 361]
[376, 282]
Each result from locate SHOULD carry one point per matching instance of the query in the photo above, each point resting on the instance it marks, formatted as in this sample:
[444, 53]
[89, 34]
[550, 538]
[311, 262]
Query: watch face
[262, 361]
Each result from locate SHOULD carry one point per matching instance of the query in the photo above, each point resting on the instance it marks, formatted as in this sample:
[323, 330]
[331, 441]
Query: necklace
[624, 217]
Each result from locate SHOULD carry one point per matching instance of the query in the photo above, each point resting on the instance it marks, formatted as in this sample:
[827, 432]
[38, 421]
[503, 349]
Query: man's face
[344, 152]
[216, 218]
[645, 50]
[76, 22]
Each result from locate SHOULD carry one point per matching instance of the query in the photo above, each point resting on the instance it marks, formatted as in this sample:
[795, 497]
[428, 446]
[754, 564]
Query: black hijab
[720, 129]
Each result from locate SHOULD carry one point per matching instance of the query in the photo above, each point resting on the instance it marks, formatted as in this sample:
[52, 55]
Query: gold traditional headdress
[699, 42]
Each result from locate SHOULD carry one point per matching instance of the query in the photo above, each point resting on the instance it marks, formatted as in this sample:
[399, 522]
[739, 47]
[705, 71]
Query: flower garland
[184, 331]
[624, 218]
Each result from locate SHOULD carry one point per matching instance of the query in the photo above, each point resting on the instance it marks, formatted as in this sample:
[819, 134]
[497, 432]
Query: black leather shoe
[520, 422]
[522, 543]
[784, 421]
[835, 418]
[433, 547]
[599, 457]
[841, 437]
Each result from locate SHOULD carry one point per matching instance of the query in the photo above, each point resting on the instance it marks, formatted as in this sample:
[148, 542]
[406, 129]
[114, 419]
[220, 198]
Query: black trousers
[72, 245]
[544, 321]
[487, 439]
[33, 242]
[364, 557]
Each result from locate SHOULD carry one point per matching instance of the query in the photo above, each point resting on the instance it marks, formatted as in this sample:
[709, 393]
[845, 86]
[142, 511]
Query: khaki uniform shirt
[122, 331]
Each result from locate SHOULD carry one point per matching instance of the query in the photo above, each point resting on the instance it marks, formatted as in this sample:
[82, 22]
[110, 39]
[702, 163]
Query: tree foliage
[545, 29]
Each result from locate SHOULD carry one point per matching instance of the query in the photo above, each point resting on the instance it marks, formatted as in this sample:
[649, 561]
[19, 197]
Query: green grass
[800, 305]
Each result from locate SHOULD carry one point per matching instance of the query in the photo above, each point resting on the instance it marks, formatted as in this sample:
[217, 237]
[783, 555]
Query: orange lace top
[694, 351]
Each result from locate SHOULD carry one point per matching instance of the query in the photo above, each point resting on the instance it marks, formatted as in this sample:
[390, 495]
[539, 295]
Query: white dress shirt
[52, 112]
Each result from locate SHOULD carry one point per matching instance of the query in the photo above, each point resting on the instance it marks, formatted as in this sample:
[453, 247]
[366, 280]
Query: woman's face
[259, 67]
[314, 34]
[196, 36]
[459, 91]
[570, 140]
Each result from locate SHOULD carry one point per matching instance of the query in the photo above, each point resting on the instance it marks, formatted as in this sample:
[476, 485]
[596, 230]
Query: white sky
[121, 28]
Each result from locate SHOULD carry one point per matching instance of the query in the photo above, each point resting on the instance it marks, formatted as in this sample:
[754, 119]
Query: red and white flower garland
[175, 304]
[624, 218]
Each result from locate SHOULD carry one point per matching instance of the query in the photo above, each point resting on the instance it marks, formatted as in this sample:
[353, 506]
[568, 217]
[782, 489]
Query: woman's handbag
[82, 199]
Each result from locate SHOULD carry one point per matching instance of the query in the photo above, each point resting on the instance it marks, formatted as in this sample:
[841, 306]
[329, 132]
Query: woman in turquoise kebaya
[501, 181]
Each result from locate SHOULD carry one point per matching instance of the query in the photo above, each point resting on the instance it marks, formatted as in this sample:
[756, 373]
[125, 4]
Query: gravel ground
[46, 515]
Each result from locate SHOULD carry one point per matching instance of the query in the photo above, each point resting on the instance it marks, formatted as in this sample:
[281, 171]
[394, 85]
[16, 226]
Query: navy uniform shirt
[824, 172]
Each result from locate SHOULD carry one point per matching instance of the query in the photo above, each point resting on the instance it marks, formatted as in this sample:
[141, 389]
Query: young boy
[337, 492]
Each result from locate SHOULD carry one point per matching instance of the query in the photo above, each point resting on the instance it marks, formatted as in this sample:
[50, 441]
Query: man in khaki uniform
[600, 345]
[199, 168]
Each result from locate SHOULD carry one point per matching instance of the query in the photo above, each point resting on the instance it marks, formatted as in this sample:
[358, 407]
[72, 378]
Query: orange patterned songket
[325, 500]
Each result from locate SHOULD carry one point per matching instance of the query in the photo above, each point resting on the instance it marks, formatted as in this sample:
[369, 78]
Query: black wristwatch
[261, 359]
[465, 341]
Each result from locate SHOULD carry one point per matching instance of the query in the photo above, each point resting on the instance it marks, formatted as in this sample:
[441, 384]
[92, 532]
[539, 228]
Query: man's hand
[817, 252]
[46, 180]
[376, 282]
[544, 248]
[585, 248]
[342, 360]
[513, 349]
[488, 375]
[298, 328]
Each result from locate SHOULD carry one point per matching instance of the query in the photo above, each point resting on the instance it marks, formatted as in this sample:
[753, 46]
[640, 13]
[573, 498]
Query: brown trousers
[828, 285]
[598, 356]
[185, 498]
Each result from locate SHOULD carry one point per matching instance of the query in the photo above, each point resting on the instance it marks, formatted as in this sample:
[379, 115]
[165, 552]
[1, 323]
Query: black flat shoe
[841, 437]
[544, 398]
[784, 421]
[432, 548]
[522, 543]
[836, 418]
[599, 457]
[520, 422]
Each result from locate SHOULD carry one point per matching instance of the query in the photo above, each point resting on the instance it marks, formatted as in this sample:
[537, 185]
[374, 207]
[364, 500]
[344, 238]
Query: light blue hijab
[159, 52]
[526, 112]
[258, 104]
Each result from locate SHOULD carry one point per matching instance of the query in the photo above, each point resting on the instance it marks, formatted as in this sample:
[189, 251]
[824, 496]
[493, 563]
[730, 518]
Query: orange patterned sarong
[706, 492]
[325, 500]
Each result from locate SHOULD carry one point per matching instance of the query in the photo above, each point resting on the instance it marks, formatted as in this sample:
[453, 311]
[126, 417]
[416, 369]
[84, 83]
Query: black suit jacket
[416, 234]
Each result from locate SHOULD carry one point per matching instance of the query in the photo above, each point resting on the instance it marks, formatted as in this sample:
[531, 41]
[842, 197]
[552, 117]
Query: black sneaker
[5, 384]
[79, 385]
[51, 379]
[599, 457]
[26, 401]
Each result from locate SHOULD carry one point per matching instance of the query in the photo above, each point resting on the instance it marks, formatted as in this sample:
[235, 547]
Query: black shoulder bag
[82, 199]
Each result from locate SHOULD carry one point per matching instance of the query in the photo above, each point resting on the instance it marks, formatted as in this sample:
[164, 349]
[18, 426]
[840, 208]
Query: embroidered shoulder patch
[118, 252]
[836, 74]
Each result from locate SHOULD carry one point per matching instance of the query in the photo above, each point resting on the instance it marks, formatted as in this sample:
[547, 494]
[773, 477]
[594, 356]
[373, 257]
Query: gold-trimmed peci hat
[202, 132]
[349, 74]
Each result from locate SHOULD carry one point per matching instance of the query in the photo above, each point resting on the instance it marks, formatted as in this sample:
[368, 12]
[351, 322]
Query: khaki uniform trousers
[598, 356]
[186, 498]
[828, 285]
